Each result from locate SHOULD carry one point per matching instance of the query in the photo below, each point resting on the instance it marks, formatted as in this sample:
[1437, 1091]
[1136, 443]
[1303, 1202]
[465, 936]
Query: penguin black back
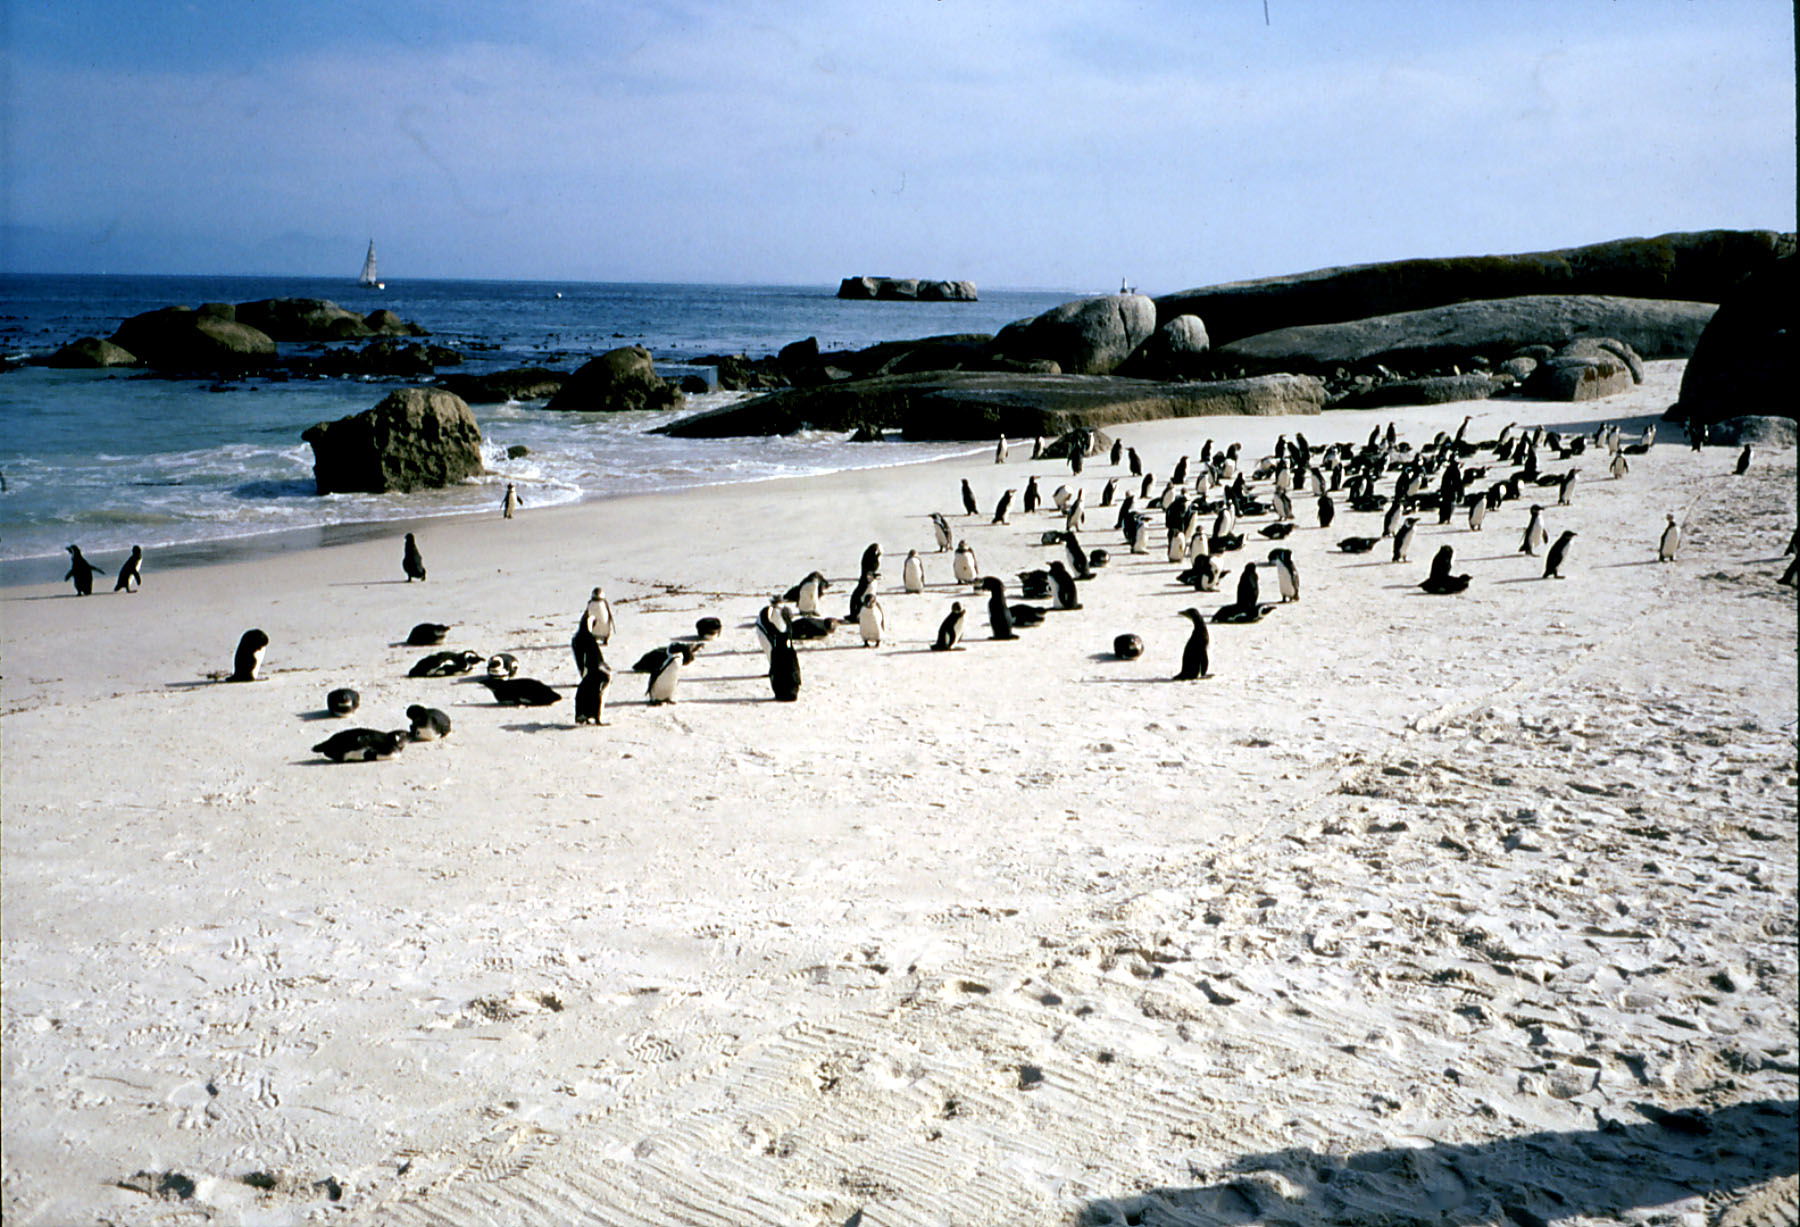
[248, 660]
[1194, 653]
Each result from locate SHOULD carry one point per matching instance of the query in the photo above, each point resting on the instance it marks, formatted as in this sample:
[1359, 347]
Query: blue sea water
[109, 459]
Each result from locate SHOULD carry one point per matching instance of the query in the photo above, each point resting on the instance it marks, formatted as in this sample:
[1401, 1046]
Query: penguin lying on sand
[361, 745]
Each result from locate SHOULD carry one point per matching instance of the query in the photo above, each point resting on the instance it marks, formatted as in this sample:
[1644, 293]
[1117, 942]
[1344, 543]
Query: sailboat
[369, 280]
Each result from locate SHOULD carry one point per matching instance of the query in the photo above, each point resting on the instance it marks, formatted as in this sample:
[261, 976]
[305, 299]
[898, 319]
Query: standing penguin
[941, 527]
[964, 565]
[1287, 575]
[598, 617]
[1559, 554]
[1440, 582]
[82, 572]
[1535, 535]
[1118, 451]
[862, 593]
[1743, 463]
[590, 695]
[771, 625]
[510, 503]
[1000, 450]
[806, 596]
[871, 621]
[1002, 507]
[1618, 466]
[1478, 509]
[1067, 596]
[1032, 497]
[1327, 510]
[1671, 541]
[784, 667]
[411, 561]
[131, 573]
[950, 630]
[1194, 653]
[661, 688]
[248, 660]
[1404, 537]
[1000, 620]
[1564, 486]
[1136, 465]
[912, 572]
[871, 558]
[970, 507]
[585, 647]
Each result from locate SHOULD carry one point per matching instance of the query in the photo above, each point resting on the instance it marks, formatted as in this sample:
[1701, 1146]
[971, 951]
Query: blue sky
[1010, 142]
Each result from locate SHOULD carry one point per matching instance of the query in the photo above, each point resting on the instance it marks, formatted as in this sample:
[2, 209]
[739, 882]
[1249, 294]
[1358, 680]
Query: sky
[1014, 143]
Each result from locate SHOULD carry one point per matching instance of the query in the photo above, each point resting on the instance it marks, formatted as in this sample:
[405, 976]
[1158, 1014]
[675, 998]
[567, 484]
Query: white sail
[369, 278]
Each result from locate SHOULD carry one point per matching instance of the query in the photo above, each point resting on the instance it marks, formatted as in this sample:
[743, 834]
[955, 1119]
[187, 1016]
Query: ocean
[201, 470]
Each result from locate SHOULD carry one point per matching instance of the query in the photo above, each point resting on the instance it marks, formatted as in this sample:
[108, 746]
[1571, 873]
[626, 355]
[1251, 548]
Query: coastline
[1399, 900]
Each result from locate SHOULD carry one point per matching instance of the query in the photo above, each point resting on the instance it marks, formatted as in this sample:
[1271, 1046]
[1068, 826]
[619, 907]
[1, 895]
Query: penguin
[361, 745]
[1283, 504]
[1535, 535]
[1026, 615]
[707, 629]
[444, 664]
[428, 723]
[590, 695]
[864, 590]
[802, 627]
[1127, 647]
[1075, 518]
[1178, 476]
[1067, 596]
[1178, 546]
[1743, 464]
[1277, 531]
[1564, 486]
[941, 527]
[1002, 507]
[1390, 523]
[1035, 585]
[912, 572]
[1327, 510]
[411, 561]
[968, 498]
[131, 572]
[1000, 450]
[520, 691]
[1287, 576]
[1559, 554]
[784, 667]
[871, 621]
[805, 594]
[965, 566]
[1118, 451]
[1136, 465]
[1248, 607]
[950, 630]
[1670, 543]
[1358, 545]
[1031, 498]
[1478, 509]
[1000, 620]
[1194, 653]
[871, 559]
[1106, 492]
[1440, 582]
[771, 624]
[503, 664]
[510, 503]
[598, 617]
[248, 661]
[1404, 537]
[662, 682]
[585, 647]
[1204, 575]
[1618, 466]
[1137, 533]
[342, 702]
[82, 572]
[426, 634]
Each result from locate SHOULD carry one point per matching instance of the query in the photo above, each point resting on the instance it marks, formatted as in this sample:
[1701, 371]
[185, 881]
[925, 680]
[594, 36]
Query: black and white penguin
[361, 745]
[871, 558]
[865, 588]
[784, 668]
[1559, 554]
[1137, 466]
[970, 507]
[1118, 451]
[590, 695]
[1203, 575]
[1106, 491]
[912, 572]
[1358, 545]
[661, 688]
[426, 634]
[771, 624]
[131, 572]
[1127, 647]
[521, 691]
[805, 594]
[428, 723]
[950, 630]
[1743, 462]
[82, 572]
[1278, 531]
[1067, 595]
[1000, 621]
[871, 620]
[1194, 653]
[1403, 538]
[1670, 543]
[342, 702]
[445, 664]
[503, 664]
[1535, 535]
[965, 566]
[248, 660]
[1000, 450]
[1287, 575]
[652, 660]
[941, 527]
[585, 648]
[1478, 509]
[800, 626]
[1031, 498]
[1440, 582]
[411, 561]
[1390, 523]
[598, 617]
[510, 503]
[1565, 485]
[707, 629]
[1079, 566]
[1618, 466]
[1002, 507]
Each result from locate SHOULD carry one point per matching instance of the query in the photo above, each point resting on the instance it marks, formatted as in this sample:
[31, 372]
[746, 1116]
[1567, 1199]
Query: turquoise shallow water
[113, 459]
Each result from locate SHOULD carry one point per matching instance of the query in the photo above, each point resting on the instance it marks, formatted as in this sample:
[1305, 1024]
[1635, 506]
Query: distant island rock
[415, 439]
[906, 289]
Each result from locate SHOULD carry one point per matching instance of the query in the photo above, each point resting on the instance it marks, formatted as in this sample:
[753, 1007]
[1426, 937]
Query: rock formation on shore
[206, 340]
[619, 379]
[906, 289]
[1744, 363]
[415, 439]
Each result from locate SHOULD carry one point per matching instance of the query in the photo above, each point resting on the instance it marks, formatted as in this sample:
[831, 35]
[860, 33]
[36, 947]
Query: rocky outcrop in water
[523, 383]
[319, 319]
[906, 289]
[619, 379]
[1745, 360]
[415, 439]
[983, 404]
[91, 353]
[206, 340]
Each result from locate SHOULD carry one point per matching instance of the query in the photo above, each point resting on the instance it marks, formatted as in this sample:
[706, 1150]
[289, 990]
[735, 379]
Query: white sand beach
[1474, 908]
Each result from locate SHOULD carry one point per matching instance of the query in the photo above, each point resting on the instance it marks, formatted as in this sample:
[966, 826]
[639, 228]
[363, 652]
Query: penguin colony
[1201, 510]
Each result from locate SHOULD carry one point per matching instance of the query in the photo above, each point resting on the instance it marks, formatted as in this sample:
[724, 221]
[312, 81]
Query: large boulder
[208, 340]
[1178, 347]
[1466, 334]
[90, 353]
[620, 379]
[1089, 336]
[383, 322]
[1586, 368]
[415, 439]
[523, 383]
[1745, 360]
[303, 319]
[1701, 266]
[983, 404]
[906, 289]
